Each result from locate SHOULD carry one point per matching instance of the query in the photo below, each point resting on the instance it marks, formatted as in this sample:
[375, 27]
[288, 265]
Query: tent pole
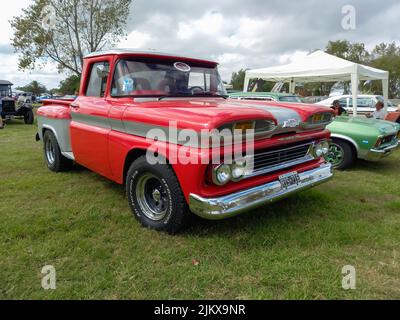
[354, 91]
[246, 84]
[385, 89]
[292, 86]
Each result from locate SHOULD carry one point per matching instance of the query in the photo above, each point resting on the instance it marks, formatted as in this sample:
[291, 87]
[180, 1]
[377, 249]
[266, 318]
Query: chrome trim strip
[340, 136]
[386, 149]
[282, 165]
[69, 155]
[236, 203]
[279, 167]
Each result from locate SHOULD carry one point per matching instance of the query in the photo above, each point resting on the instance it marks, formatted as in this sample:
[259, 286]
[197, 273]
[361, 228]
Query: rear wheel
[29, 117]
[341, 154]
[54, 159]
[155, 196]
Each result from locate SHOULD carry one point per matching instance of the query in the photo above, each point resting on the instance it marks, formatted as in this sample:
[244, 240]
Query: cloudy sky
[237, 33]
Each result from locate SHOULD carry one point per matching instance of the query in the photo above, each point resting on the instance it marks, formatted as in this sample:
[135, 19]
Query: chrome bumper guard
[376, 154]
[233, 204]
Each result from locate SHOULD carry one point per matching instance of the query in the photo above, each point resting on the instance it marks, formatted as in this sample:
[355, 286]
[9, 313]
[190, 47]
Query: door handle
[74, 105]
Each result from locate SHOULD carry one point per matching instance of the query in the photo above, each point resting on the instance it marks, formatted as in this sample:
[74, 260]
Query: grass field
[81, 224]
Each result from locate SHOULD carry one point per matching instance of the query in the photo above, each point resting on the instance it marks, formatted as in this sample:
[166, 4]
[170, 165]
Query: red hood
[210, 113]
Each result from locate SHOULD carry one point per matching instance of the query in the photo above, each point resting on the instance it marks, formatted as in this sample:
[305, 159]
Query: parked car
[266, 96]
[26, 97]
[314, 99]
[125, 114]
[43, 97]
[11, 110]
[365, 103]
[353, 137]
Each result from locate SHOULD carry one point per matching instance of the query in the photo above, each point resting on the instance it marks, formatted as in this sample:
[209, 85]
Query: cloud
[257, 33]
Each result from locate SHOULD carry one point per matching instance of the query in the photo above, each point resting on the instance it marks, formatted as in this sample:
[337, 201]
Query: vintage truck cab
[162, 125]
[11, 110]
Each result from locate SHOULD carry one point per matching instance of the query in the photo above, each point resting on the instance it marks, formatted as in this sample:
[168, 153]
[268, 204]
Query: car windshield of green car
[290, 99]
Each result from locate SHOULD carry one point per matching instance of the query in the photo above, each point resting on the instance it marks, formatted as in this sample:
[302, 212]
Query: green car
[352, 137]
[362, 138]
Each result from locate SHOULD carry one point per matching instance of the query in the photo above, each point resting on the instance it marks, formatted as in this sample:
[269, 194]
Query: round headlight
[222, 174]
[238, 169]
[318, 151]
[321, 148]
[325, 147]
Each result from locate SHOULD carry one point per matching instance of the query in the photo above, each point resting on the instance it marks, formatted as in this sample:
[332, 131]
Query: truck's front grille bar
[281, 158]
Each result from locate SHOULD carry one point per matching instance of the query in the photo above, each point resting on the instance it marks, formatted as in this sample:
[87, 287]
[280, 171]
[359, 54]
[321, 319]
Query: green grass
[81, 223]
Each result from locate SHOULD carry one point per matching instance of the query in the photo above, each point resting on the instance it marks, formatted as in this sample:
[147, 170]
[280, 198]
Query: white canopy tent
[320, 66]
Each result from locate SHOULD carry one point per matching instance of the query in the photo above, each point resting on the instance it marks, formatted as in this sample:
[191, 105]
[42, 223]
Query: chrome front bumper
[377, 154]
[233, 204]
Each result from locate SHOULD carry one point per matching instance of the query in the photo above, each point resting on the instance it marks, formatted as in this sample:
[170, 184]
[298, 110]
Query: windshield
[290, 99]
[165, 78]
[5, 91]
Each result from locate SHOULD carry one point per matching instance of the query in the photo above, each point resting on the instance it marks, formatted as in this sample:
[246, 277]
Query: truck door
[90, 125]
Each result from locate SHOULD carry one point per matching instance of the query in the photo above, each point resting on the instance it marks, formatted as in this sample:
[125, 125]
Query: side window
[96, 86]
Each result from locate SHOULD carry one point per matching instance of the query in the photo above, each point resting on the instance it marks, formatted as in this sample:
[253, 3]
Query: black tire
[145, 184]
[341, 154]
[54, 159]
[29, 118]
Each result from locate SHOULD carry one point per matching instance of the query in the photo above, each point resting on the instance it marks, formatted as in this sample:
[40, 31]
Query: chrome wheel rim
[151, 196]
[50, 152]
[335, 155]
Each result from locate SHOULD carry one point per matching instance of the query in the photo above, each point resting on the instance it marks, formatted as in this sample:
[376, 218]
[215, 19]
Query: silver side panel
[60, 128]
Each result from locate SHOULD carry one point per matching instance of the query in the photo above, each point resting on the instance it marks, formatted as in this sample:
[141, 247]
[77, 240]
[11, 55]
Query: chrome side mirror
[103, 71]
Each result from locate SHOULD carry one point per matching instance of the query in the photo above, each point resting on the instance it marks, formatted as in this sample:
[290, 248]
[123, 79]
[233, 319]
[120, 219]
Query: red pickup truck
[138, 119]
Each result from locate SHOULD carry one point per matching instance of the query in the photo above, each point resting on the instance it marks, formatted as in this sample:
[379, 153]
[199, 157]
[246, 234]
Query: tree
[237, 80]
[35, 87]
[65, 31]
[387, 57]
[70, 85]
[354, 52]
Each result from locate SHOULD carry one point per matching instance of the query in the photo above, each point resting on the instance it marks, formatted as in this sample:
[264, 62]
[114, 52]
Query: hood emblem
[290, 123]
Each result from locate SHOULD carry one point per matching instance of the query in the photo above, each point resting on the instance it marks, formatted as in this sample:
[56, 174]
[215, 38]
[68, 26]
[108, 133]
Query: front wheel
[155, 196]
[29, 117]
[54, 159]
[341, 154]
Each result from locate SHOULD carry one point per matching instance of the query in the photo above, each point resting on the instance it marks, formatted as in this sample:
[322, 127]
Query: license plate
[289, 179]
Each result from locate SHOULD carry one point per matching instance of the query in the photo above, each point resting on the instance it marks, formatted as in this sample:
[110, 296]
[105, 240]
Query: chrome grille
[281, 158]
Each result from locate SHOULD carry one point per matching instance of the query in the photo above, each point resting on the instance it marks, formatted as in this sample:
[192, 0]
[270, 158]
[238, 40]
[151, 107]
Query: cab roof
[118, 51]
